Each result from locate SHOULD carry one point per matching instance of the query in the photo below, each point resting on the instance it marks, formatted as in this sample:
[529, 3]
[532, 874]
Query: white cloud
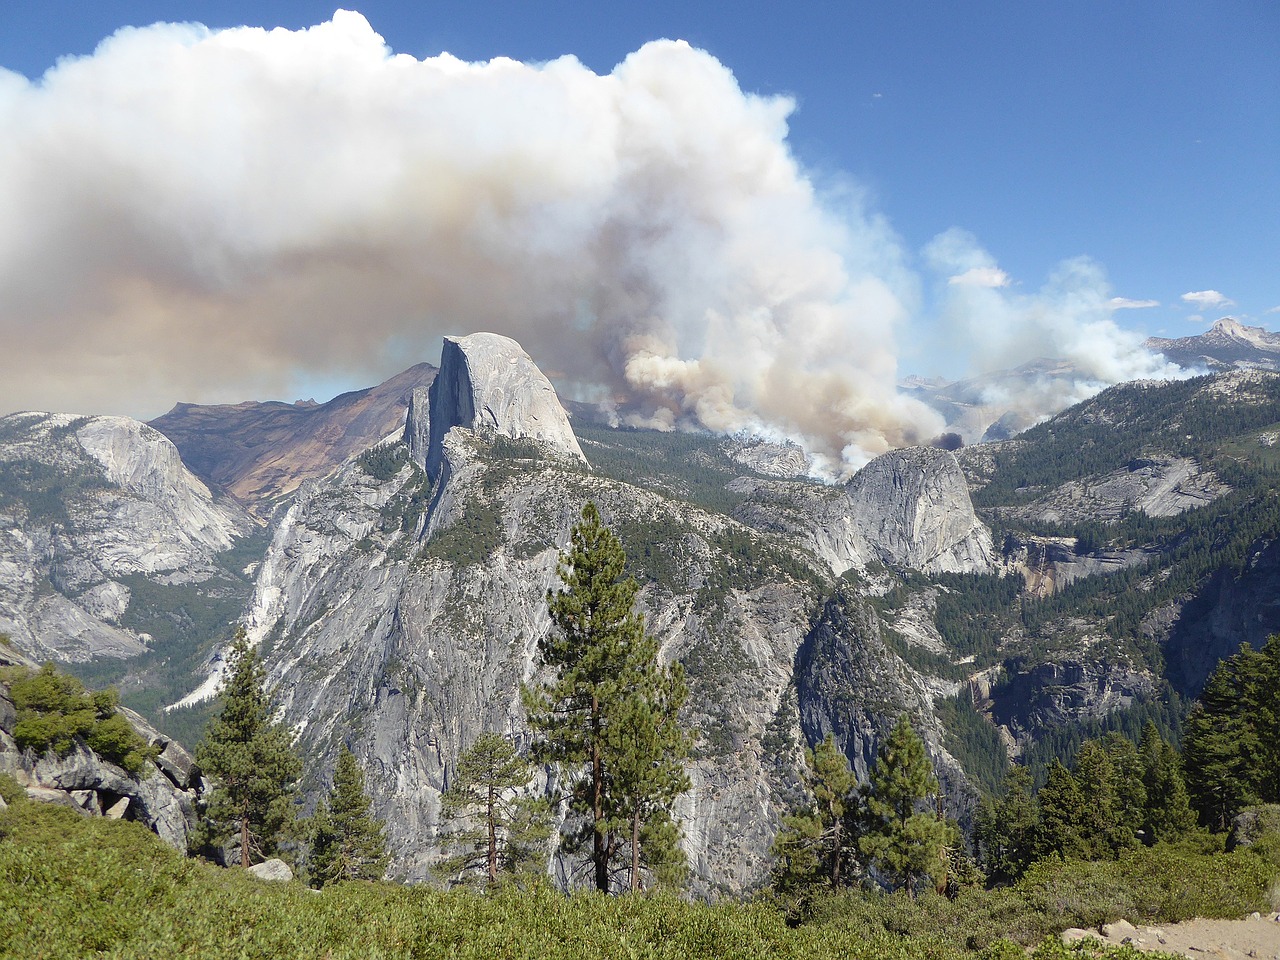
[1207, 299]
[1124, 303]
[990, 277]
[1273, 310]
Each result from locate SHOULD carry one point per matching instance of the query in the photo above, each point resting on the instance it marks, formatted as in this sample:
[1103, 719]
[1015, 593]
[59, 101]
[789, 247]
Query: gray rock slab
[56, 797]
[274, 870]
[1119, 931]
[176, 764]
[1072, 934]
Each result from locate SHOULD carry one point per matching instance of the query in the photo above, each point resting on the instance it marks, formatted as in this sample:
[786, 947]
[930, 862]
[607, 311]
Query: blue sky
[1145, 135]
[1142, 136]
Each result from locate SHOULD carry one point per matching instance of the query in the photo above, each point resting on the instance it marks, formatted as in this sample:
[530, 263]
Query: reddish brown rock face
[261, 452]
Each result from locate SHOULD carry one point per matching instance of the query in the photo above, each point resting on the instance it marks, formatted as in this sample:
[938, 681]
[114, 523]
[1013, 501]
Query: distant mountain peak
[1228, 344]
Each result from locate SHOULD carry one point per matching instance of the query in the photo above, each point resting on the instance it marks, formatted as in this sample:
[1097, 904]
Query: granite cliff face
[403, 594]
[907, 508]
[911, 508]
[407, 637]
[489, 386]
[86, 503]
[404, 605]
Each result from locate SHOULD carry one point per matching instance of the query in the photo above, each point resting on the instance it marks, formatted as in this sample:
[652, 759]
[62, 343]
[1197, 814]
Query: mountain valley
[391, 556]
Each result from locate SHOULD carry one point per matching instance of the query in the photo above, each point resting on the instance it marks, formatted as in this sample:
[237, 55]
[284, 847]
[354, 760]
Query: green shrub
[55, 710]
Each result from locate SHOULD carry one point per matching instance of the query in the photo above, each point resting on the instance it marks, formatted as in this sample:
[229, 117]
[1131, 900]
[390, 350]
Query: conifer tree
[347, 841]
[603, 660]
[816, 844]
[1062, 816]
[1168, 814]
[506, 831]
[1007, 829]
[643, 752]
[1102, 828]
[250, 760]
[1128, 788]
[1231, 747]
[905, 844]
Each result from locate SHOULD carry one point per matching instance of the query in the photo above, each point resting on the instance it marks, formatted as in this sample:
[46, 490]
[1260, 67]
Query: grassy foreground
[74, 887]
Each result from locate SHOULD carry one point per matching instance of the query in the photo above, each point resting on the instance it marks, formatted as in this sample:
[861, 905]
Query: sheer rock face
[911, 508]
[908, 508]
[407, 641]
[489, 385]
[99, 499]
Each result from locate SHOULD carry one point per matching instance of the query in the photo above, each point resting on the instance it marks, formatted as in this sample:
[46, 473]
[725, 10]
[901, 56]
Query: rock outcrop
[911, 508]
[163, 797]
[1159, 486]
[407, 639]
[489, 385]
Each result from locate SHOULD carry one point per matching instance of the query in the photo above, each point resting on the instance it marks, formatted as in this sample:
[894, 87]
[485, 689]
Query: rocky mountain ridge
[260, 453]
[1227, 345]
[88, 504]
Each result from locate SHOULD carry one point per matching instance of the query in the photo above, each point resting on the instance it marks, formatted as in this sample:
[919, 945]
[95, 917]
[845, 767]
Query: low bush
[55, 710]
[74, 887]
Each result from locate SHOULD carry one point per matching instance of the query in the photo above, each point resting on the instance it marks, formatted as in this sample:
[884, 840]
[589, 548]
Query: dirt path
[1255, 938]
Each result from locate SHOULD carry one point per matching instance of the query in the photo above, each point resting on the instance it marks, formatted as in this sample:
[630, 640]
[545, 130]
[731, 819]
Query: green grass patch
[74, 887]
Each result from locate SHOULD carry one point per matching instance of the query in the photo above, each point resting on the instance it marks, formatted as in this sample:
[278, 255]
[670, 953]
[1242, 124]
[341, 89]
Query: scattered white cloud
[1207, 299]
[1196, 318]
[991, 277]
[1124, 303]
[1273, 310]
[1070, 318]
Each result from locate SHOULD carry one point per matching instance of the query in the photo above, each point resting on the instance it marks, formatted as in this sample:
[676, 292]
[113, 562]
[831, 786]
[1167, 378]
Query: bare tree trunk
[493, 838]
[599, 850]
[244, 836]
[635, 850]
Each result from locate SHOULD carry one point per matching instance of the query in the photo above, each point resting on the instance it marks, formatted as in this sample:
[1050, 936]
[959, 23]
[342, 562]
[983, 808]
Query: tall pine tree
[644, 749]
[1006, 830]
[817, 844]
[1168, 814]
[347, 841]
[606, 677]
[250, 760]
[502, 829]
[1231, 746]
[905, 843]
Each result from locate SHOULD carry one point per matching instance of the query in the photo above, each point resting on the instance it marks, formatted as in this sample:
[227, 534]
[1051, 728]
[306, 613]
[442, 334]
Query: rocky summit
[488, 385]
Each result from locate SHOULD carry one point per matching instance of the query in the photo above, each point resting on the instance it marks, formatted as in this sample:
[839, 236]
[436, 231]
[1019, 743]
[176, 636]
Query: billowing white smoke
[1069, 318]
[201, 215]
[205, 215]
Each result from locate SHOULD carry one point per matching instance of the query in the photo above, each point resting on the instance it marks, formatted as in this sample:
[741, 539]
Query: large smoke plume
[202, 215]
